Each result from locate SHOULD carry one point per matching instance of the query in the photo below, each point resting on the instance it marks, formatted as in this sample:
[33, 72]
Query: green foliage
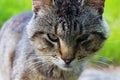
[9, 8]
[110, 50]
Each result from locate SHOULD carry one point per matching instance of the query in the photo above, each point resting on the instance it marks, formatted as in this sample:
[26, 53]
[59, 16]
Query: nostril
[67, 61]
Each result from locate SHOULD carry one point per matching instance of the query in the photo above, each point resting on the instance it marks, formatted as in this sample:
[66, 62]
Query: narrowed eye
[82, 38]
[53, 37]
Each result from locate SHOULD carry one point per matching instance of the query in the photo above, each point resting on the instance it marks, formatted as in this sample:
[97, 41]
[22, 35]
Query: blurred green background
[110, 51]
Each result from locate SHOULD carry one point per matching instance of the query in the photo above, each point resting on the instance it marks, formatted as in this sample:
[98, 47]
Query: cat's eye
[82, 38]
[53, 37]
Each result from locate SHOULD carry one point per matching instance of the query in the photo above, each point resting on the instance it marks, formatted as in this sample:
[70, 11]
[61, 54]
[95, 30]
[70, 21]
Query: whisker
[97, 67]
[35, 58]
[97, 63]
[37, 65]
[102, 63]
[105, 58]
[31, 59]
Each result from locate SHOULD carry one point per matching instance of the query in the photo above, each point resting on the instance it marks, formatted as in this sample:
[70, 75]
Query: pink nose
[67, 61]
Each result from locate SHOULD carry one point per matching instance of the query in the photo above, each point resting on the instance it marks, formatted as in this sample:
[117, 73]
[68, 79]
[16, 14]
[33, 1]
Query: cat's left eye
[53, 37]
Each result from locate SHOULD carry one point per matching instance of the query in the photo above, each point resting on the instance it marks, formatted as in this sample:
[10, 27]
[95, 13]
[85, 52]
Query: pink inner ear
[36, 8]
[37, 4]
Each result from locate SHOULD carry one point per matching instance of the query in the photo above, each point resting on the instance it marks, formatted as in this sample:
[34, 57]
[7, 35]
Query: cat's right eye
[82, 38]
[53, 37]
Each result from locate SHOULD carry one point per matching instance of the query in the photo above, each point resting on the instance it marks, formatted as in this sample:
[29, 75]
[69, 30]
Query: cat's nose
[67, 60]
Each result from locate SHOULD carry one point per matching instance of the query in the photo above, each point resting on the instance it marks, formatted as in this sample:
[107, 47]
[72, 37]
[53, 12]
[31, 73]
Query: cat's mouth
[66, 67]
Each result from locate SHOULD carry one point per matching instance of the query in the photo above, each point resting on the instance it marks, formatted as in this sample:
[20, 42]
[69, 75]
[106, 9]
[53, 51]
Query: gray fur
[27, 53]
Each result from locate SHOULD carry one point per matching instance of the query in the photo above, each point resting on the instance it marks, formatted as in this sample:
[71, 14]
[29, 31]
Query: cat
[54, 42]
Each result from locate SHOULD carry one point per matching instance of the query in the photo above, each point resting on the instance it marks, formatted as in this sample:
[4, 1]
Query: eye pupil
[53, 37]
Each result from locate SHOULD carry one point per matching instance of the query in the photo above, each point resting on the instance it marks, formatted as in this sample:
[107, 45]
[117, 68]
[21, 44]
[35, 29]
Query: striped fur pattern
[54, 42]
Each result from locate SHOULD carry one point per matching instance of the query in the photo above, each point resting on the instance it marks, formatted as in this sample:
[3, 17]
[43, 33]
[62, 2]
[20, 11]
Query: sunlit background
[110, 53]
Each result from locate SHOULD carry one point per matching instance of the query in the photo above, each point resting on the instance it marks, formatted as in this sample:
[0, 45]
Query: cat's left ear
[38, 4]
[96, 4]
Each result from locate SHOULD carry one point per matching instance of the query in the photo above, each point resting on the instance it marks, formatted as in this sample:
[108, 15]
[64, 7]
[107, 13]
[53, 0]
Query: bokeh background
[110, 53]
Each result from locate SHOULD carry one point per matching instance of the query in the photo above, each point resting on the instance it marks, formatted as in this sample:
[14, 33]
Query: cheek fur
[86, 51]
[42, 44]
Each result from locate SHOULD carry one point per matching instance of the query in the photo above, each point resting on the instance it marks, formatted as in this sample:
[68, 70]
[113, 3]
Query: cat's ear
[38, 4]
[96, 4]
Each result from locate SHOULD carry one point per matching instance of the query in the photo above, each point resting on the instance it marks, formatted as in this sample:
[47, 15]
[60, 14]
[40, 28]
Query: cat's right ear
[38, 4]
[96, 4]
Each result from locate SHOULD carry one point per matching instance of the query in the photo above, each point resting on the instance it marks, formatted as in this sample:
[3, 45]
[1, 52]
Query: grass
[9, 8]
[112, 15]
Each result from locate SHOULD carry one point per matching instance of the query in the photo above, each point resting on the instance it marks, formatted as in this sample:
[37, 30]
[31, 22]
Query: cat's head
[65, 32]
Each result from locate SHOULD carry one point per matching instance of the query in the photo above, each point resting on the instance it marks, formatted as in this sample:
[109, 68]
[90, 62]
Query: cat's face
[68, 33]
